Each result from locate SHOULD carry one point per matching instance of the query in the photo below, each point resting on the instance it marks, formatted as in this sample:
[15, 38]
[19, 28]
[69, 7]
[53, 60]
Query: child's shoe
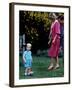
[25, 74]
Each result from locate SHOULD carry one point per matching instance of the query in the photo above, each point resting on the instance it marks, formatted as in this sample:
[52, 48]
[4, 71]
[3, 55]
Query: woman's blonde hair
[52, 15]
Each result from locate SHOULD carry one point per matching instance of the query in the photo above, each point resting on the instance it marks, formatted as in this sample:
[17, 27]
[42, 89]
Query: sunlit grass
[40, 68]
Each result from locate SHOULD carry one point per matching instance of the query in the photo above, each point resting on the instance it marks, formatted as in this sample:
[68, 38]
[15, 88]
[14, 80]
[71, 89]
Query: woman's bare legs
[57, 63]
[51, 64]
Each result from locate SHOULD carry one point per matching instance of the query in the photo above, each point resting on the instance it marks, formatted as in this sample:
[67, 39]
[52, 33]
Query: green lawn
[40, 65]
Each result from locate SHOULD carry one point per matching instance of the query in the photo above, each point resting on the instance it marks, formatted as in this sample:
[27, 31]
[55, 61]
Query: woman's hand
[53, 41]
[49, 42]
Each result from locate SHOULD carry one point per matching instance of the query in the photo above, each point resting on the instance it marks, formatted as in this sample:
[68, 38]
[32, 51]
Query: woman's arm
[57, 30]
[54, 38]
[49, 40]
[50, 37]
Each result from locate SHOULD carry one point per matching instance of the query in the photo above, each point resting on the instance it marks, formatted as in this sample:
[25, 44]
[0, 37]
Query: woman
[55, 45]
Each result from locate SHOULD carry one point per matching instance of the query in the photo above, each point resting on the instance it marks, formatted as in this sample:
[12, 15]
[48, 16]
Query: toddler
[27, 58]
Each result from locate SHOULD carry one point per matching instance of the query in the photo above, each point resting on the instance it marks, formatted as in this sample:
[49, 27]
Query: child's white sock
[26, 71]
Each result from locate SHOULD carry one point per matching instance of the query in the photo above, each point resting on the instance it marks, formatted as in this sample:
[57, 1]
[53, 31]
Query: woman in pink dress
[55, 45]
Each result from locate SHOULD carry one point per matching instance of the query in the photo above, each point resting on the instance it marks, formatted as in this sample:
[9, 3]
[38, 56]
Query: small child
[27, 58]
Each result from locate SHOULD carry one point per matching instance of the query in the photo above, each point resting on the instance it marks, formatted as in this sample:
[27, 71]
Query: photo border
[11, 43]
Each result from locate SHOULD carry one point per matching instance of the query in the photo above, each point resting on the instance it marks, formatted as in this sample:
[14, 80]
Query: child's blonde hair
[29, 45]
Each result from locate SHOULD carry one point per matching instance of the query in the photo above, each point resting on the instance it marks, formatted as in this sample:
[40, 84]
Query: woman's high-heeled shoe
[50, 67]
[57, 66]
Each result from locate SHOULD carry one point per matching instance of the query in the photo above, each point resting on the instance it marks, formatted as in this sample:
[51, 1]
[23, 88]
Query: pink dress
[55, 30]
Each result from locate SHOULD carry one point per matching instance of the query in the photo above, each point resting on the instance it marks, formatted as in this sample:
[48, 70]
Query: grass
[40, 68]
